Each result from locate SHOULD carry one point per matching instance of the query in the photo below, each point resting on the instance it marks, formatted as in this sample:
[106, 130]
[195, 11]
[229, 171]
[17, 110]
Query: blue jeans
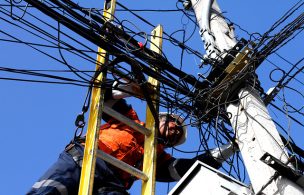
[63, 177]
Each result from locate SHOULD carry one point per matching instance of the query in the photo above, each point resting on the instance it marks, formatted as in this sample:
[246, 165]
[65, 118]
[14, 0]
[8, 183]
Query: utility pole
[216, 34]
[256, 134]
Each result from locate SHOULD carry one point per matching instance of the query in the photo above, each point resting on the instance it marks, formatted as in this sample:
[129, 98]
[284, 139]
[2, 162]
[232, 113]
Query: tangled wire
[201, 99]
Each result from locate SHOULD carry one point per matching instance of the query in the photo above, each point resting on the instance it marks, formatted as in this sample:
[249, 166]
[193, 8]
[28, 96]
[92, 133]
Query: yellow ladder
[149, 166]
[96, 108]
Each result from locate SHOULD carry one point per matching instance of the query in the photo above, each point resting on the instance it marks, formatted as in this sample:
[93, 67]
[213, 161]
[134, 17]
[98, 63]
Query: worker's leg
[62, 178]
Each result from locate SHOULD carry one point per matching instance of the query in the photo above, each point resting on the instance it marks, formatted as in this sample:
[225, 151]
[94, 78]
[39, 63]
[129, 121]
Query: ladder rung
[122, 165]
[126, 121]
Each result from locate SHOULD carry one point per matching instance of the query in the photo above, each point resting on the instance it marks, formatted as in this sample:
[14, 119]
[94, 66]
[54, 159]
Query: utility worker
[126, 144]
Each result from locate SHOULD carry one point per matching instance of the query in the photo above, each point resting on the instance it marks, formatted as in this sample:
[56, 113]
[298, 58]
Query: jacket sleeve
[119, 105]
[116, 91]
[173, 169]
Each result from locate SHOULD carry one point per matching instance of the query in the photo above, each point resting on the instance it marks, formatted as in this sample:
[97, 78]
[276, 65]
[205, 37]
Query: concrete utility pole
[256, 134]
[255, 131]
[217, 36]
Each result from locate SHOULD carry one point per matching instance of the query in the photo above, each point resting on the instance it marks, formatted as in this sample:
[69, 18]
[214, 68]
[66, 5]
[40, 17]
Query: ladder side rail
[96, 107]
[150, 146]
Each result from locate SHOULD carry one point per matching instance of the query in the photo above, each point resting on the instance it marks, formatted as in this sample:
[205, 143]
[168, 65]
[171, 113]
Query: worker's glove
[122, 89]
[215, 157]
[223, 152]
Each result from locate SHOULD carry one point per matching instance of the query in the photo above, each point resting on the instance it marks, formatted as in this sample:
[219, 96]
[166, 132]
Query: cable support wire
[187, 77]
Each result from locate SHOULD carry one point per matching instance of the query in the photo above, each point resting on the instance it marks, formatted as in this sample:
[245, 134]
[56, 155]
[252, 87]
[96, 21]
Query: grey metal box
[203, 179]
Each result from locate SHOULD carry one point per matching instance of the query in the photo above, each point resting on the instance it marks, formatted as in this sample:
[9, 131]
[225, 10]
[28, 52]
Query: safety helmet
[181, 121]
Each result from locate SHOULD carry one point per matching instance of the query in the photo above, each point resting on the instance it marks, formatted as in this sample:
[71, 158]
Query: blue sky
[37, 120]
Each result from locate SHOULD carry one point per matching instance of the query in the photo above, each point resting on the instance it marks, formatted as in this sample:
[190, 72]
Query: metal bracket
[217, 74]
[283, 169]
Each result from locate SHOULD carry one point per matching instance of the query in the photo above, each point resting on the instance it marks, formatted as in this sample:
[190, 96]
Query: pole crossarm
[284, 169]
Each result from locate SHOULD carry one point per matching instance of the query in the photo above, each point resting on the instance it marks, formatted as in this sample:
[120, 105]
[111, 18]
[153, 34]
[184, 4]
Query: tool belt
[76, 154]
